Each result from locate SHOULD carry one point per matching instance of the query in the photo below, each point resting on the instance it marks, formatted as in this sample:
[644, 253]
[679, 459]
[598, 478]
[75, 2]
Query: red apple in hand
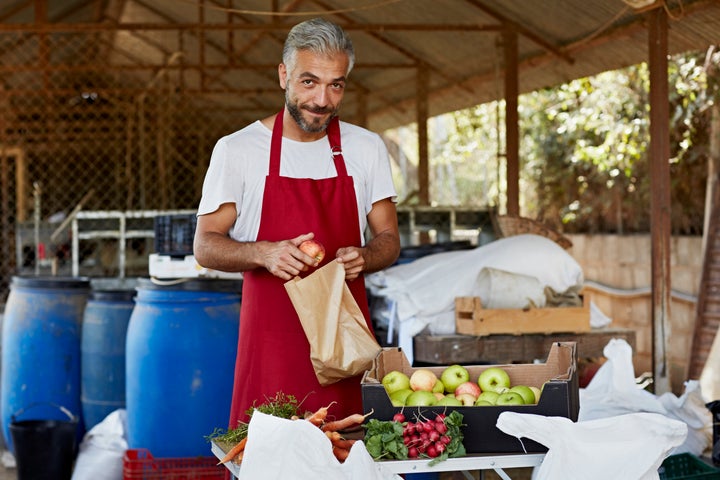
[313, 248]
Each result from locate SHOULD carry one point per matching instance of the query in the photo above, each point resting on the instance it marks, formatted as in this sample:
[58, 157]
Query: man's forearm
[381, 252]
[219, 252]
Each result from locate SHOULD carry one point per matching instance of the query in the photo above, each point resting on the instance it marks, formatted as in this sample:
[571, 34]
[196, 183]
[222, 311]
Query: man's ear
[282, 75]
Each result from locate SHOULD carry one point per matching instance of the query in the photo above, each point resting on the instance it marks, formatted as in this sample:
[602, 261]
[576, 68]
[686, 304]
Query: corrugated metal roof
[227, 51]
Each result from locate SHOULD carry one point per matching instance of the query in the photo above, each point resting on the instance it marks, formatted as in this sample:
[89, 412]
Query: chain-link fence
[75, 137]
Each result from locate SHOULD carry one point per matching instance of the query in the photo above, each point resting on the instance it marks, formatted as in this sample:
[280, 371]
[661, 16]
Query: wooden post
[422, 117]
[512, 142]
[660, 196]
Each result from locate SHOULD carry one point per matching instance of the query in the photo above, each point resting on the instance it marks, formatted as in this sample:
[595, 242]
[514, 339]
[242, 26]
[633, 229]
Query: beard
[315, 125]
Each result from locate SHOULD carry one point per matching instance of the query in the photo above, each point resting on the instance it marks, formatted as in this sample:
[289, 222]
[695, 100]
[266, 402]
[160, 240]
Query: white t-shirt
[240, 163]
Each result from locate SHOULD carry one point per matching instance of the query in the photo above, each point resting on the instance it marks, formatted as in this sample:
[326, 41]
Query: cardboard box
[472, 319]
[559, 397]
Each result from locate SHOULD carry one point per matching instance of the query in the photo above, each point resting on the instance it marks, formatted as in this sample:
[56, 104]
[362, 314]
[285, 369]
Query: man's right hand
[284, 259]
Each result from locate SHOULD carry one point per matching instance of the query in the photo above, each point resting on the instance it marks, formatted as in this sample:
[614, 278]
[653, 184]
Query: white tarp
[280, 449]
[422, 293]
[613, 392]
[628, 447]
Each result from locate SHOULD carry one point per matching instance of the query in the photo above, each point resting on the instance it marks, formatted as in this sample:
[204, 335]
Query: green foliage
[280, 405]
[584, 150]
[384, 440]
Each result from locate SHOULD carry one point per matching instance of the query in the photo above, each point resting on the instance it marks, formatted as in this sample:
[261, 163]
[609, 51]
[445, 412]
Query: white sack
[281, 449]
[613, 391]
[628, 447]
[501, 289]
[102, 449]
[426, 288]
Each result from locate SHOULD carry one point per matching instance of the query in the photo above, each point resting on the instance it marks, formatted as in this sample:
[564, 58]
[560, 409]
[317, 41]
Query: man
[294, 176]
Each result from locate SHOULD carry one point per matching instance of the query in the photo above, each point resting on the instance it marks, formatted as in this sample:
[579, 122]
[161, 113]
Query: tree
[584, 150]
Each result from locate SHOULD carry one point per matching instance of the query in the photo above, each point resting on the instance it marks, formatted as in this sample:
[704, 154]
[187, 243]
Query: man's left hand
[353, 261]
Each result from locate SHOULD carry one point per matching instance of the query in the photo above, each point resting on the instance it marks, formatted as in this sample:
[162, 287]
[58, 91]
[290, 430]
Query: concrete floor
[7, 466]
[8, 473]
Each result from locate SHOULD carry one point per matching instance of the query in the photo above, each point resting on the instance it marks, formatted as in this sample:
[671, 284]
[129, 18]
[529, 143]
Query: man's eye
[307, 82]
[338, 85]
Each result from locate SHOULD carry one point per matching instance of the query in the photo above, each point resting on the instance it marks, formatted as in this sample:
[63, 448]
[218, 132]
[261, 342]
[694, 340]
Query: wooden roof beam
[524, 31]
[367, 27]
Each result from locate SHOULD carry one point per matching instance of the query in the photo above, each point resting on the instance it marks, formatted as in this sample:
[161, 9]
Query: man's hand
[284, 259]
[353, 260]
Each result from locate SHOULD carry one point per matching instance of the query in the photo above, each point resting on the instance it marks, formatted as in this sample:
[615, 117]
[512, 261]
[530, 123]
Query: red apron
[273, 353]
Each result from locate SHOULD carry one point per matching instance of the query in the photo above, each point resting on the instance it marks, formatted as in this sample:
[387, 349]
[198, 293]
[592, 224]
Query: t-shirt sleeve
[221, 184]
[381, 182]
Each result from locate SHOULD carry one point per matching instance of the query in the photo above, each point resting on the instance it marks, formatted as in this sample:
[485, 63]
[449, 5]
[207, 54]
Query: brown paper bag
[341, 345]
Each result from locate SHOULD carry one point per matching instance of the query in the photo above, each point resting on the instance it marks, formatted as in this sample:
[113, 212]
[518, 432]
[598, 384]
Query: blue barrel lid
[51, 282]
[192, 285]
[113, 295]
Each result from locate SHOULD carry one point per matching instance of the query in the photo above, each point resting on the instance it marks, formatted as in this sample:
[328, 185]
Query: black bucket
[44, 449]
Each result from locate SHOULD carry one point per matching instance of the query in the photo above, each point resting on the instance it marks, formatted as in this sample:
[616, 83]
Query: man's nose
[321, 97]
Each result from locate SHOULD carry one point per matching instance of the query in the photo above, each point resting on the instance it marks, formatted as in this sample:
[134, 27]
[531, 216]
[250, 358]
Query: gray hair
[319, 36]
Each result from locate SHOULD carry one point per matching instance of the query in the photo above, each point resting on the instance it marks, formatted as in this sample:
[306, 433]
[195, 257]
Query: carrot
[342, 443]
[345, 423]
[333, 435]
[238, 458]
[236, 450]
[319, 416]
[341, 453]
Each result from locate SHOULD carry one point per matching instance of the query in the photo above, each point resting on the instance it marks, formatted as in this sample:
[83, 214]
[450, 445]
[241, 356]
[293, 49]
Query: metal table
[469, 463]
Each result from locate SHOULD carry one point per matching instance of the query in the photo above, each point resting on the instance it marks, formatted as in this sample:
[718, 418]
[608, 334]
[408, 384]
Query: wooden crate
[472, 319]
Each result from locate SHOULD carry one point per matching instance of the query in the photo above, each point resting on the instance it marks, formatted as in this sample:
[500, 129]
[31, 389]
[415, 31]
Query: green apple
[537, 392]
[449, 401]
[483, 403]
[494, 379]
[395, 381]
[525, 392]
[423, 379]
[439, 387]
[489, 396]
[510, 398]
[420, 398]
[398, 397]
[453, 376]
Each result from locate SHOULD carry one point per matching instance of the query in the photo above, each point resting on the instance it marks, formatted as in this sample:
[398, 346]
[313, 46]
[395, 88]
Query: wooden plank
[478, 350]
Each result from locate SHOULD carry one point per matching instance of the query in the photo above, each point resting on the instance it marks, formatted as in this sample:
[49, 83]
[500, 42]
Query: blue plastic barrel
[102, 349]
[41, 348]
[180, 362]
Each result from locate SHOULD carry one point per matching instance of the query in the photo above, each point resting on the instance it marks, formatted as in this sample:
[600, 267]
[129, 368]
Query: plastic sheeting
[613, 391]
[280, 449]
[628, 447]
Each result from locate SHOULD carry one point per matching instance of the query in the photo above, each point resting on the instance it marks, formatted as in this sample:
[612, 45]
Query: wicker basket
[509, 225]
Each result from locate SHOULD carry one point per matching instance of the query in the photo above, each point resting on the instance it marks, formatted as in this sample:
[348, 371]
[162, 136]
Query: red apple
[313, 248]
[468, 387]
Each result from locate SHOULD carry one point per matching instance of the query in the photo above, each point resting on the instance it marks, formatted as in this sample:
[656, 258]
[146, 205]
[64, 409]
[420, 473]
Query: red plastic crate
[140, 464]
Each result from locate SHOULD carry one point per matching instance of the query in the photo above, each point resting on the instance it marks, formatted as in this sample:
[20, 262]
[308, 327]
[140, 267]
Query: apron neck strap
[333, 136]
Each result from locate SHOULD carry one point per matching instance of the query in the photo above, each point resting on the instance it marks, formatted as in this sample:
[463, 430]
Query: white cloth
[102, 450]
[613, 391]
[424, 290]
[240, 162]
[627, 447]
[282, 449]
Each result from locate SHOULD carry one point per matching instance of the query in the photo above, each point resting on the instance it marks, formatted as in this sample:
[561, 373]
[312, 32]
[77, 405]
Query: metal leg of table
[501, 473]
